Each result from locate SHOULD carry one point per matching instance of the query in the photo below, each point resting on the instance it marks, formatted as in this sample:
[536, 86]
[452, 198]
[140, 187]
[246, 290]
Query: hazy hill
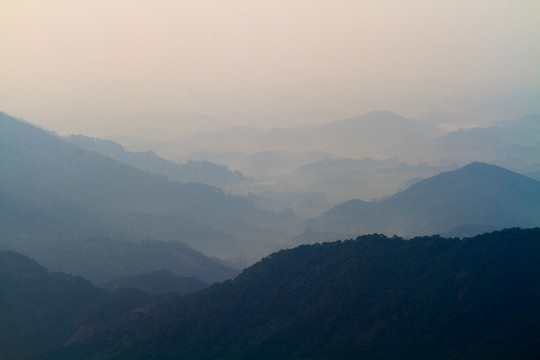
[513, 144]
[371, 298]
[54, 189]
[490, 144]
[478, 193]
[158, 282]
[524, 130]
[368, 134]
[101, 260]
[35, 161]
[193, 171]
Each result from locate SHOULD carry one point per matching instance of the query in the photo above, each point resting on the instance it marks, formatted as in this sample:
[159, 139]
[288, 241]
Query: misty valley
[373, 237]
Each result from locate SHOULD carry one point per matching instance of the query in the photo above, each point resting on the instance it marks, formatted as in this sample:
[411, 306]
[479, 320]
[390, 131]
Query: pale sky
[79, 66]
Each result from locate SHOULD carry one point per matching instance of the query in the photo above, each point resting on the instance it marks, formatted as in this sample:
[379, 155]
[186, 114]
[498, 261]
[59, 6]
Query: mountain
[193, 171]
[478, 193]
[371, 298]
[53, 189]
[158, 282]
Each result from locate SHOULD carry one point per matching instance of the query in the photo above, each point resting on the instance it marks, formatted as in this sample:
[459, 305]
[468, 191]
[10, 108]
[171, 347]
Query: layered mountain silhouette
[35, 161]
[203, 172]
[477, 194]
[371, 298]
[53, 189]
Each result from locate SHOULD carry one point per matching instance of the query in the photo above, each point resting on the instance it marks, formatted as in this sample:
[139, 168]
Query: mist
[169, 69]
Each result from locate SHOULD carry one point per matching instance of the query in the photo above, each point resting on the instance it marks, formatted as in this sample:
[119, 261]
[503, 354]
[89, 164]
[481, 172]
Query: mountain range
[77, 211]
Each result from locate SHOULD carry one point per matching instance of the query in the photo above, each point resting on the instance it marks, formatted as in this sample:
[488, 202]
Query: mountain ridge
[478, 193]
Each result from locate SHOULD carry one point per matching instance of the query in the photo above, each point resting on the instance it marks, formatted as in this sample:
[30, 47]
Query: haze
[162, 69]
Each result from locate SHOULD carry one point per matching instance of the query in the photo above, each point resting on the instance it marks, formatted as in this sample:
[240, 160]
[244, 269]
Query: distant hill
[478, 194]
[490, 144]
[193, 171]
[158, 282]
[345, 179]
[513, 144]
[524, 130]
[371, 298]
[367, 135]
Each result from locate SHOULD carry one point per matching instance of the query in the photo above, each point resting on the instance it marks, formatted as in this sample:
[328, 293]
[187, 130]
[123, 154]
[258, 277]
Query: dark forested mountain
[39, 310]
[478, 194]
[158, 282]
[371, 298]
[53, 189]
[193, 171]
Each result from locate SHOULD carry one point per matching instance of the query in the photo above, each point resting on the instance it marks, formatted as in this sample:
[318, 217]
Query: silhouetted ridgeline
[371, 298]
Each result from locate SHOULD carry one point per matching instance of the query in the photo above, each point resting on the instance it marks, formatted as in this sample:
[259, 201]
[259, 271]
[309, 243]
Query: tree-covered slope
[371, 298]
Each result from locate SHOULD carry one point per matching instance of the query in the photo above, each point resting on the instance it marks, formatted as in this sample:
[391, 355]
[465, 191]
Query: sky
[160, 69]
